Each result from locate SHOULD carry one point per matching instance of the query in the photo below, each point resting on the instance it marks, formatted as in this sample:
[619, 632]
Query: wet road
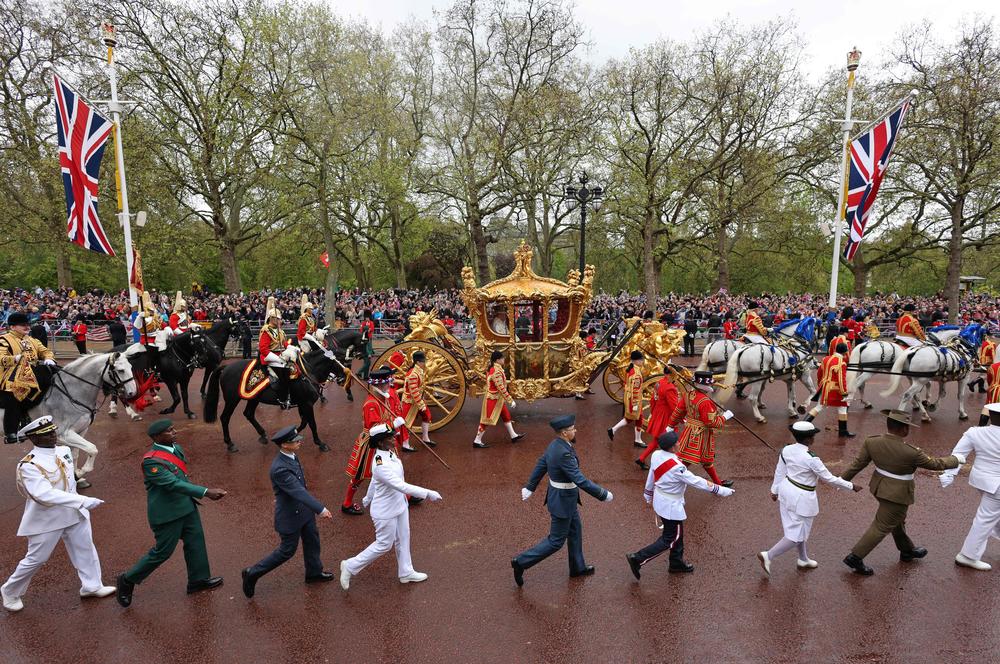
[470, 609]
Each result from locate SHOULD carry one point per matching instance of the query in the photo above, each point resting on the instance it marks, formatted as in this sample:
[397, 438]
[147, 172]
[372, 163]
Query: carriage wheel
[614, 384]
[444, 392]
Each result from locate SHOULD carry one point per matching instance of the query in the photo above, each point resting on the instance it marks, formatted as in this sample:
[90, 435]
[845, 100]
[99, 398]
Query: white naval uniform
[53, 511]
[668, 492]
[387, 504]
[798, 506]
[985, 476]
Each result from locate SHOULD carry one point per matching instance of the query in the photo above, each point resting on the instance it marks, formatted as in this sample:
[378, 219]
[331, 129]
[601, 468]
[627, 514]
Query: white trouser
[985, 523]
[79, 542]
[388, 533]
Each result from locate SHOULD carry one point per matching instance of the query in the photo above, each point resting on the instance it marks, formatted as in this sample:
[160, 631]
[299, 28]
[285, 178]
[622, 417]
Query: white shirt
[667, 492]
[387, 491]
[797, 463]
[985, 442]
[56, 503]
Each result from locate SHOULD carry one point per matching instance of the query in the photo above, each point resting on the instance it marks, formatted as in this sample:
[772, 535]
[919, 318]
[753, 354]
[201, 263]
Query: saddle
[255, 378]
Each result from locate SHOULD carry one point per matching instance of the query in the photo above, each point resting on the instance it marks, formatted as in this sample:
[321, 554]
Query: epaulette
[913, 446]
[28, 457]
[378, 460]
[813, 454]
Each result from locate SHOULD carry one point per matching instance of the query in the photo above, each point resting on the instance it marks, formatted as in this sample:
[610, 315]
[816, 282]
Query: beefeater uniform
[701, 419]
[413, 397]
[661, 408]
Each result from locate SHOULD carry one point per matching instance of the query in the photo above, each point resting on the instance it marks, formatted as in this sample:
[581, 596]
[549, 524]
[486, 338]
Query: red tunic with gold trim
[993, 383]
[701, 419]
[839, 339]
[907, 325]
[179, 323]
[833, 380]
[496, 398]
[413, 397]
[987, 352]
[633, 395]
[359, 465]
[151, 324]
[307, 325]
[755, 325]
[662, 407]
[272, 340]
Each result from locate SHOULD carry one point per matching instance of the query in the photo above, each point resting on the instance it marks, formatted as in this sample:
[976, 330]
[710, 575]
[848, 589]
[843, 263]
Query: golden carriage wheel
[444, 391]
[614, 384]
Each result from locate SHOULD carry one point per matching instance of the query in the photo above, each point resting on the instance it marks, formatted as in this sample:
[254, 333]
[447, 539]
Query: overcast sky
[829, 27]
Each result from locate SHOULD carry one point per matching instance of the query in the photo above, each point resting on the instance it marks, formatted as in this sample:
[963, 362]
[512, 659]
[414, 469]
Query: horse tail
[897, 370]
[855, 361]
[703, 365]
[211, 405]
[732, 375]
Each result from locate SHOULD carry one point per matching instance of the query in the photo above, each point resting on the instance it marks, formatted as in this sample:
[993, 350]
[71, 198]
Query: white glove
[668, 430]
[433, 496]
[725, 491]
[366, 501]
[960, 457]
[398, 422]
[49, 363]
[649, 500]
[947, 477]
[513, 404]
[609, 497]
[728, 415]
[525, 494]
[91, 503]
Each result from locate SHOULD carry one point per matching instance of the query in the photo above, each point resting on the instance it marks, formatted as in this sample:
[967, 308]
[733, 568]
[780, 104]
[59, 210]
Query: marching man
[633, 399]
[307, 323]
[271, 344]
[665, 485]
[495, 402]
[661, 409]
[833, 389]
[701, 419]
[985, 476]
[794, 488]
[387, 503]
[992, 391]
[53, 511]
[987, 356]
[908, 329]
[413, 398]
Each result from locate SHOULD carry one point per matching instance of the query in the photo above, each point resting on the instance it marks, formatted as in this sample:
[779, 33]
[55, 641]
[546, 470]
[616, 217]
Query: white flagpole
[111, 40]
[853, 58]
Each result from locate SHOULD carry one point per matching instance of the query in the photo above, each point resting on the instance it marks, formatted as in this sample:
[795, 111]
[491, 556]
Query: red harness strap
[167, 456]
[662, 468]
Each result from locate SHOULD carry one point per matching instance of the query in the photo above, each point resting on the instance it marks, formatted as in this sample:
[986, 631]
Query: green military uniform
[892, 456]
[173, 515]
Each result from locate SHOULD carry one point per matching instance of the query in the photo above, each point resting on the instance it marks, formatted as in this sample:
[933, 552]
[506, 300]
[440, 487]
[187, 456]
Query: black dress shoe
[586, 571]
[640, 444]
[642, 465]
[518, 572]
[634, 564]
[728, 484]
[579, 397]
[249, 582]
[409, 450]
[123, 593]
[517, 438]
[204, 584]
[611, 434]
[858, 565]
[430, 443]
[682, 567]
[353, 510]
[480, 446]
[323, 447]
[322, 577]
[913, 554]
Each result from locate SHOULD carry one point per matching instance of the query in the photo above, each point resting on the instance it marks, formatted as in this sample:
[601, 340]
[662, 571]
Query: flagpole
[853, 58]
[111, 40]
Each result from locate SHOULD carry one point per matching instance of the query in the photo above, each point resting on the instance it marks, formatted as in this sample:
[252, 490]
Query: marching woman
[495, 402]
[794, 488]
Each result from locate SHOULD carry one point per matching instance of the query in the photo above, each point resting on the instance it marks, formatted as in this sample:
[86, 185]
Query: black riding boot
[842, 429]
[12, 421]
[284, 387]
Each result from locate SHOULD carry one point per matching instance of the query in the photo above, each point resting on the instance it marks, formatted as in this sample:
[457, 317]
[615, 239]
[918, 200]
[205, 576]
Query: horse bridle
[111, 379]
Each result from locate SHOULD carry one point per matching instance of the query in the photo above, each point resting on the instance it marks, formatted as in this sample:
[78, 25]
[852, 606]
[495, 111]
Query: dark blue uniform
[563, 467]
[295, 513]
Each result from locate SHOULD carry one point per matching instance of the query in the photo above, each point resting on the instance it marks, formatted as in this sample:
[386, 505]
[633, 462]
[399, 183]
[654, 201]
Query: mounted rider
[179, 321]
[271, 344]
[307, 323]
[909, 332]
[19, 387]
[754, 325]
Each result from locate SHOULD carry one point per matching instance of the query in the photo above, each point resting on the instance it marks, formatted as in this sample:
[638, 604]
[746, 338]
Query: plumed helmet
[147, 303]
[272, 309]
[305, 304]
[179, 303]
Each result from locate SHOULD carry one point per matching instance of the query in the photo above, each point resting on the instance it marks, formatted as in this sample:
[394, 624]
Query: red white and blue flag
[870, 154]
[83, 134]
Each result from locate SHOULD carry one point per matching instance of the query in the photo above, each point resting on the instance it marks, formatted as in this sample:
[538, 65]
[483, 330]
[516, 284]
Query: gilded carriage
[535, 322]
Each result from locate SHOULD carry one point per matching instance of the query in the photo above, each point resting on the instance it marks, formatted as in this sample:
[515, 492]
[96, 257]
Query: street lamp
[584, 196]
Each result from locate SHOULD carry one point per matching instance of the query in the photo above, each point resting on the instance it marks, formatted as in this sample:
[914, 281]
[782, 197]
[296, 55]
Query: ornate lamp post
[583, 196]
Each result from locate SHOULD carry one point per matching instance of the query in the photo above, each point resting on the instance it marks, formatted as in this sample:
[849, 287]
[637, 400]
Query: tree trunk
[859, 268]
[230, 266]
[650, 273]
[359, 265]
[478, 236]
[395, 231]
[952, 278]
[64, 274]
[722, 260]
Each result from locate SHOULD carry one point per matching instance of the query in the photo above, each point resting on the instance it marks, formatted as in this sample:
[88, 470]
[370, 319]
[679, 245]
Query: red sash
[662, 468]
[167, 456]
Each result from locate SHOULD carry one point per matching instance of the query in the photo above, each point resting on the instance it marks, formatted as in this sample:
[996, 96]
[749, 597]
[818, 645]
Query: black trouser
[13, 413]
[689, 344]
[286, 549]
[284, 378]
[672, 538]
[81, 346]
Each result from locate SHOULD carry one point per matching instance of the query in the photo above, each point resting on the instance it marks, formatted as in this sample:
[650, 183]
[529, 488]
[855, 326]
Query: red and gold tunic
[633, 395]
[272, 340]
[662, 407]
[496, 398]
[833, 380]
[413, 397]
[373, 411]
[150, 325]
[755, 325]
[987, 352]
[993, 383]
[839, 339]
[907, 325]
[179, 322]
[307, 325]
[701, 419]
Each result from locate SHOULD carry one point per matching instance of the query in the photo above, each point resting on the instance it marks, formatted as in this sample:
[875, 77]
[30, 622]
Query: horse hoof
[322, 399]
[762, 407]
[82, 483]
[932, 407]
[114, 416]
[868, 406]
[925, 419]
[801, 410]
[350, 397]
[191, 416]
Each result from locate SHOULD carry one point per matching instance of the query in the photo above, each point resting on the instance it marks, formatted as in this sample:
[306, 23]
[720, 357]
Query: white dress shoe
[413, 577]
[964, 561]
[345, 575]
[765, 562]
[103, 591]
[11, 603]
[807, 564]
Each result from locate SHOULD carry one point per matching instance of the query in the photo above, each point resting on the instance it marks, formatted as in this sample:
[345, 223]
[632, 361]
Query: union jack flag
[83, 134]
[870, 154]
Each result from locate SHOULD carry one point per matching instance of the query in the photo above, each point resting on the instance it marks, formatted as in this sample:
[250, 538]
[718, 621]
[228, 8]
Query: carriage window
[528, 320]
[496, 314]
[558, 316]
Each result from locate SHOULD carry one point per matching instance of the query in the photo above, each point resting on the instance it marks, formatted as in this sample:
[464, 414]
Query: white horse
[72, 400]
[876, 354]
[716, 355]
[924, 364]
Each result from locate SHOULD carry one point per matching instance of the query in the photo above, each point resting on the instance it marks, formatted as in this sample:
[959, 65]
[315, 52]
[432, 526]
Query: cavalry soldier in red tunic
[908, 329]
[381, 407]
[414, 405]
[633, 399]
[661, 409]
[179, 320]
[495, 402]
[271, 344]
[701, 418]
[833, 388]
[307, 322]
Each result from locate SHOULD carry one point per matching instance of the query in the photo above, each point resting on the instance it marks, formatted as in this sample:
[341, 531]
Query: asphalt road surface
[470, 609]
